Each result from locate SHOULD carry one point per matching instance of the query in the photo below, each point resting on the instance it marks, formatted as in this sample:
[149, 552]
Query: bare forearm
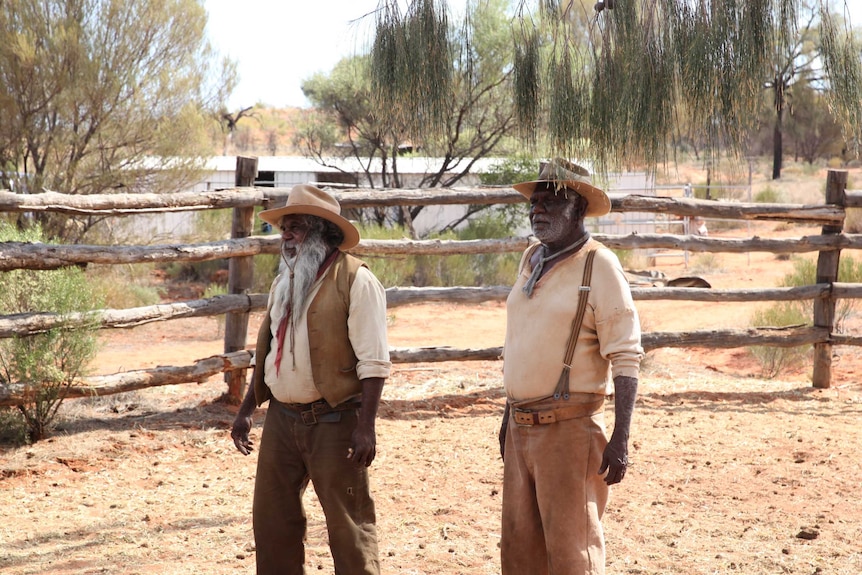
[625, 394]
[372, 390]
[249, 403]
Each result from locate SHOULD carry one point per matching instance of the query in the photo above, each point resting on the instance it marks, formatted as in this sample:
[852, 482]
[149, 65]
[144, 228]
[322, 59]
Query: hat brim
[598, 202]
[351, 234]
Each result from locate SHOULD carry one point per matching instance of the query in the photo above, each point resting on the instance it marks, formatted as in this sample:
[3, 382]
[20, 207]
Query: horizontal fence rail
[19, 255]
[201, 370]
[40, 322]
[127, 204]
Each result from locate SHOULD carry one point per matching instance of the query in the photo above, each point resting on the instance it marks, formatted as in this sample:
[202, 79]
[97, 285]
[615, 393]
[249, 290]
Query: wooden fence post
[827, 272]
[240, 278]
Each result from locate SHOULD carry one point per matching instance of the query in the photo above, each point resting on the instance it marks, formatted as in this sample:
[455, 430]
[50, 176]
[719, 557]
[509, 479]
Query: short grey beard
[303, 267]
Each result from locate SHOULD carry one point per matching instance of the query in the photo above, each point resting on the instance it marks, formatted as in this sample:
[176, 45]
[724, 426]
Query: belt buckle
[308, 416]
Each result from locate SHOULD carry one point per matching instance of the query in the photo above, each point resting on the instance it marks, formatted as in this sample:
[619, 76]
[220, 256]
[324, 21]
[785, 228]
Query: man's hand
[363, 443]
[242, 422]
[615, 460]
[363, 446]
[239, 433]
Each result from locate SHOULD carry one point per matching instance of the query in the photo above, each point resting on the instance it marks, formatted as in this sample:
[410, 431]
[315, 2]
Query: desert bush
[209, 225]
[510, 171]
[124, 286]
[853, 220]
[390, 270]
[456, 270]
[46, 363]
[706, 263]
[13, 427]
[805, 273]
[835, 163]
[632, 259]
[768, 195]
[773, 360]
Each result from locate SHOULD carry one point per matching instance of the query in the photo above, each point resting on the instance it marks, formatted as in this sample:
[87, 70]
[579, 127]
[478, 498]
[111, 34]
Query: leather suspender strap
[562, 389]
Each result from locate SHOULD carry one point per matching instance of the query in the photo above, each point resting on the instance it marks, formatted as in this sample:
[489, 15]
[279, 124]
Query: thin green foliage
[526, 82]
[412, 75]
[445, 271]
[773, 360]
[125, 286]
[47, 363]
[805, 273]
[844, 68]
[13, 427]
[620, 82]
[768, 195]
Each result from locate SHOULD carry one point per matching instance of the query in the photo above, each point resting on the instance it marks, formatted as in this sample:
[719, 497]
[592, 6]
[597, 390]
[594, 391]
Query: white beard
[298, 274]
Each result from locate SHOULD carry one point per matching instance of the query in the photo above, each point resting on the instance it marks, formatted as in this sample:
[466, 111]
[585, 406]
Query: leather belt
[317, 411]
[546, 416]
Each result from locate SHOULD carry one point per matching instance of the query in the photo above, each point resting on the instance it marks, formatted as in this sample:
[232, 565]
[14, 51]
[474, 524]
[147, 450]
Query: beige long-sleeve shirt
[537, 328]
[366, 329]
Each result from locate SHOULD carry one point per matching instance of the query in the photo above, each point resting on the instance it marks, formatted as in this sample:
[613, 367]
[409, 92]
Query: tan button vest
[333, 362]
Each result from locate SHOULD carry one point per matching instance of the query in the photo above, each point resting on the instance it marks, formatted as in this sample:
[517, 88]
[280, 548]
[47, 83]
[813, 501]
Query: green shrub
[853, 220]
[265, 270]
[773, 360]
[390, 270]
[510, 171]
[45, 364]
[455, 270]
[124, 286]
[632, 259]
[13, 427]
[805, 273]
[706, 263]
[767, 195]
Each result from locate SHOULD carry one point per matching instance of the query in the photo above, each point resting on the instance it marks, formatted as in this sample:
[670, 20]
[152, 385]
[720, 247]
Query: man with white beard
[321, 360]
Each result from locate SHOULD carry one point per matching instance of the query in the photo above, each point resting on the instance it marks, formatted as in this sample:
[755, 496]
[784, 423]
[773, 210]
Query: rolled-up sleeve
[367, 325]
[617, 322]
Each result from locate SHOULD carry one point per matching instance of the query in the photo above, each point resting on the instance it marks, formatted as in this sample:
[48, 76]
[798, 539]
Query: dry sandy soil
[731, 473]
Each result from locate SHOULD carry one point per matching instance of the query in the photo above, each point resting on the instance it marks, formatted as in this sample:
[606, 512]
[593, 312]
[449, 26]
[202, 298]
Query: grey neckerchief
[537, 271]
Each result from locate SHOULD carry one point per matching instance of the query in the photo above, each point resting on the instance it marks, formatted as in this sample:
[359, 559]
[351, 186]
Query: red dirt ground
[731, 473]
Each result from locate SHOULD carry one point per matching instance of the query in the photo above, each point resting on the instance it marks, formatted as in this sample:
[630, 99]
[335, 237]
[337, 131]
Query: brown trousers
[291, 454]
[553, 496]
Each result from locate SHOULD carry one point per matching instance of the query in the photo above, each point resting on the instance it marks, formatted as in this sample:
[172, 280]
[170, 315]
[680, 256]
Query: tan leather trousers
[553, 496]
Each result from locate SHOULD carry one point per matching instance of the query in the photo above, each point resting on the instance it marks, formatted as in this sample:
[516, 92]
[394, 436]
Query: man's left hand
[615, 461]
[363, 446]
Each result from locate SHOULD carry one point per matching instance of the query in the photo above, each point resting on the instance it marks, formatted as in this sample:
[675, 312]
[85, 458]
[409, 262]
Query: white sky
[279, 43]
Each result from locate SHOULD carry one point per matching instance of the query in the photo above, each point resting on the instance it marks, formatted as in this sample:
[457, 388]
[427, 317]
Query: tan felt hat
[565, 174]
[308, 200]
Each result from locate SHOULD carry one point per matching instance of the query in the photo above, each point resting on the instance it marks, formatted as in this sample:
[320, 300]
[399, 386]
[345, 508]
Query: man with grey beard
[321, 360]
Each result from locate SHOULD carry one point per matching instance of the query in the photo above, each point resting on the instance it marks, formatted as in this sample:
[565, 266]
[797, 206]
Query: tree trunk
[777, 144]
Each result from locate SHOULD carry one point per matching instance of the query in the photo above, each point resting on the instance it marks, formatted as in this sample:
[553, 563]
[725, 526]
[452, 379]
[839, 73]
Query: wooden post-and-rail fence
[242, 247]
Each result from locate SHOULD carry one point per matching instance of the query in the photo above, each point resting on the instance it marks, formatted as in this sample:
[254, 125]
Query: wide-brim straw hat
[308, 200]
[564, 174]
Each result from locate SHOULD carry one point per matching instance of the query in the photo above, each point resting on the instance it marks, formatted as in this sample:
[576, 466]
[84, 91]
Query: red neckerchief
[282, 325]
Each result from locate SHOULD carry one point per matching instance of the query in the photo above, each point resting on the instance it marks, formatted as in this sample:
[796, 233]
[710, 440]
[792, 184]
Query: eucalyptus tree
[810, 127]
[619, 80]
[796, 61]
[95, 94]
[476, 118]
[344, 123]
